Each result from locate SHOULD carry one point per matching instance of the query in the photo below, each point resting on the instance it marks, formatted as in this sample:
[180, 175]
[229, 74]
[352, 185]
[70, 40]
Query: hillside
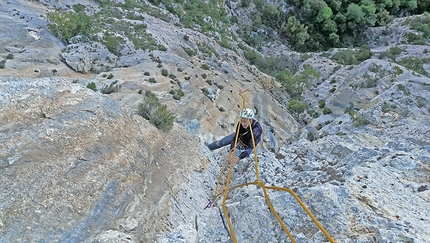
[346, 129]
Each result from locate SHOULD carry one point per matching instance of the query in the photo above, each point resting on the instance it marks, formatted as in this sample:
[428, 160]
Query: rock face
[82, 166]
[74, 165]
[84, 55]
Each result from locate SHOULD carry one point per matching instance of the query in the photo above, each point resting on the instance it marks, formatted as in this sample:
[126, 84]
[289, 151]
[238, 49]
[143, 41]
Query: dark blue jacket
[245, 138]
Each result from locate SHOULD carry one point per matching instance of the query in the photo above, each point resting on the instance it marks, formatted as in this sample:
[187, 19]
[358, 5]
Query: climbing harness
[258, 183]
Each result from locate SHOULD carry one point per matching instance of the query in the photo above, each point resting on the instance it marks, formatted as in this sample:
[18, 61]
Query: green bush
[205, 66]
[79, 8]
[294, 85]
[252, 56]
[312, 113]
[92, 86]
[111, 88]
[357, 119]
[172, 76]
[403, 89]
[326, 111]
[190, 52]
[164, 72]
[392, 53]
[112, 42]
[297, 106]
[162, 48]
[180, 92]
[321, 104]
[414, 63]
[9, 56]
[352, 57]
[66, 25]
[152, 80]
[156, 113]
[110, 76]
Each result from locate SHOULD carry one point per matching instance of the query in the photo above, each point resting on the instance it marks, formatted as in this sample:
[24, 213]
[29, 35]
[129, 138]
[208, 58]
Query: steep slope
[363, 183]
[74, 165]
[78, 165]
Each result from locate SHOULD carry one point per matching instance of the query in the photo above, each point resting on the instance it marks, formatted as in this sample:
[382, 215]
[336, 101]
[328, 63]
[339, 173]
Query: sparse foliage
[111, 88]
[156, 113]
[92, 86]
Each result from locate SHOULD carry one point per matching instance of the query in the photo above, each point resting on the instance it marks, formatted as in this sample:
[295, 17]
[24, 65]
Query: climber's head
[246, 116]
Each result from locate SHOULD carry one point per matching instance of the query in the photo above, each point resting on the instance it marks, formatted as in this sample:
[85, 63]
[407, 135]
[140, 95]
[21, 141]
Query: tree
[340, 20]
[334, 38]
[354, 15]
[297, 106]
[324, 14]
[329, 26]
[270, 14]
[369, 9]
[295, 31]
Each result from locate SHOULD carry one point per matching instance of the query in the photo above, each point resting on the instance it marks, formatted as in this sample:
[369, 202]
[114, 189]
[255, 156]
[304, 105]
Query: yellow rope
[230, 159]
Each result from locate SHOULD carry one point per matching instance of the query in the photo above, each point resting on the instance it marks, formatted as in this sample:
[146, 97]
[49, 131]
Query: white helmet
[248, 113]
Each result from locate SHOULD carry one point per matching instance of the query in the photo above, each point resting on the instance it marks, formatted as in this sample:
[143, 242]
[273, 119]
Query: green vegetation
[311, 136]
[207, 16]
[421, 24]
[152, 80]
[312, 113]
[352, 57]
[397, 71]
[66, 25]
[321, 24]
[295, 84]
[111, 88]
[177, 94]
[414, 63]
[172, 76]
[205, 66]
[357, 119]
[392, 53]
[9, 56]
[297, 106]
[110, 76]
[190, 52]
[403, 89]
[110, 25]
[156, 113]
[368, 82]
[326, 111]
[164, 72]
[92, 86]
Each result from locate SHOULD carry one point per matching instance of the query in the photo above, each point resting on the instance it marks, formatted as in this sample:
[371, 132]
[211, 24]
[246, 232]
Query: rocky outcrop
[363, 184]
[75, 166]
[81, 166]
[83, 55]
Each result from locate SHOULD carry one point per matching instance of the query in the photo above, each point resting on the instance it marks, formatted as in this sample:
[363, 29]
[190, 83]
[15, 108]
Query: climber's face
[244, 122]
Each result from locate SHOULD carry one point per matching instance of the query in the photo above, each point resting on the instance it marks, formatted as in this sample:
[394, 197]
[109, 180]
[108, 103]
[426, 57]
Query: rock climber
[244, 145]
